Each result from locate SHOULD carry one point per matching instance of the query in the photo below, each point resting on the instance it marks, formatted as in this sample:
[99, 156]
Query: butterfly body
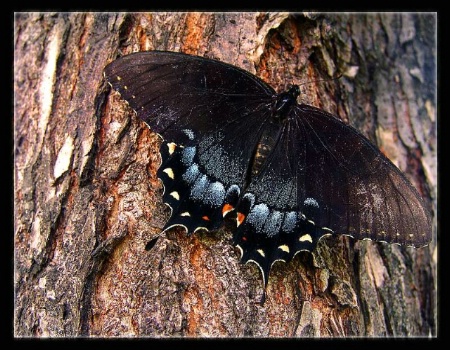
[288, 174]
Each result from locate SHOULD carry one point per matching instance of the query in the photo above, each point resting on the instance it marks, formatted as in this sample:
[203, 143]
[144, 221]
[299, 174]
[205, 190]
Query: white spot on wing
[175, 195]
[171, 147]
[305, 238]
[284, 248]
[169, 173]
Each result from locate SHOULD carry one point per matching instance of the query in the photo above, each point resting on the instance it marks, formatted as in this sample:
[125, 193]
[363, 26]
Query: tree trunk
[87, 199]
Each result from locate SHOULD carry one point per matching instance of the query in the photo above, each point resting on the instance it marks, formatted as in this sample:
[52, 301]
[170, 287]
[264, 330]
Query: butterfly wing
[210, 115]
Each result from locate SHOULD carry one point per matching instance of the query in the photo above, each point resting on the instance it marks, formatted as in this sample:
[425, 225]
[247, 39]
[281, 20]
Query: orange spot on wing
[240, 218]
[226, 208]
[205, 218]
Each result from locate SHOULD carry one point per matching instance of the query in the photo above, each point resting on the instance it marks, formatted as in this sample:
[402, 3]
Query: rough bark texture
[87, 199]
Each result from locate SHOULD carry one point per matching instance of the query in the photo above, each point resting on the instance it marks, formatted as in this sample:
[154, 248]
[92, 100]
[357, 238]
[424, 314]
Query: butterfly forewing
[164, 87]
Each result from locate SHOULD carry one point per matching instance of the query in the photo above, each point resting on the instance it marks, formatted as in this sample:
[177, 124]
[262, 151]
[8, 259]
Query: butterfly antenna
[322, 80]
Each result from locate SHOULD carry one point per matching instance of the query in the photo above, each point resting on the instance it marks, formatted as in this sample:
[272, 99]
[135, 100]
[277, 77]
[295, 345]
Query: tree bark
[87, 199]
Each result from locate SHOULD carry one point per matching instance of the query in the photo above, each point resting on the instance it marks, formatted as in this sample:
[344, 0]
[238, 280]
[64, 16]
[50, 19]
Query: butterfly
[287, 173]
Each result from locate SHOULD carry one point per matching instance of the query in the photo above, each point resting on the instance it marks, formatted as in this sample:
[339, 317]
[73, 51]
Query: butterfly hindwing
[196, 199]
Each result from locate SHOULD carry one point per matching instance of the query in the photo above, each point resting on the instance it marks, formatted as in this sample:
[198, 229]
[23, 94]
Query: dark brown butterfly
[288, 173]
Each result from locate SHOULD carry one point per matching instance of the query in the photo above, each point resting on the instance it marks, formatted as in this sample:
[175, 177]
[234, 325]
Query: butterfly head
[294, 90]
[285, 101]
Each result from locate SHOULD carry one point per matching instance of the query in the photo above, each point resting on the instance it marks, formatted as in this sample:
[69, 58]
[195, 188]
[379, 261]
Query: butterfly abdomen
[265, 145]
